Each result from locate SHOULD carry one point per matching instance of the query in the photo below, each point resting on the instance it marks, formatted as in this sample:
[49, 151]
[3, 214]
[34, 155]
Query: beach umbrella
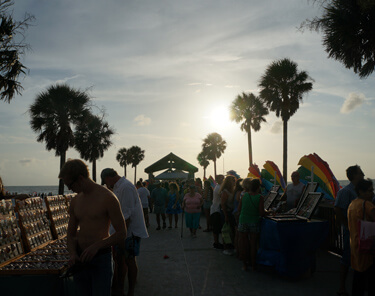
[313, 165]
[212, 181]
[272, 174]
[234, 174]
[254, 172]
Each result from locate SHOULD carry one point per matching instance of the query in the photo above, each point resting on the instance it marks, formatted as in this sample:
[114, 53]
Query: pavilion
[169, 162]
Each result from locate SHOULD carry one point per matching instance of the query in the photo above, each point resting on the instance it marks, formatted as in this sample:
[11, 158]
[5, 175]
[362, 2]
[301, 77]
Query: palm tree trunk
[94, 170]
[285, 150]
[61, 182]
[250, 146]
[135, 175]
[125, 171]
[204, 173]
[215, 168]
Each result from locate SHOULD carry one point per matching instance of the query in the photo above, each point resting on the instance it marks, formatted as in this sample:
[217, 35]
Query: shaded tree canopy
[213, 147]
[348, 33]
[124, 158]
[11, 50]
[248, 110]
[55, 113]
[282, 87]
[93, 137]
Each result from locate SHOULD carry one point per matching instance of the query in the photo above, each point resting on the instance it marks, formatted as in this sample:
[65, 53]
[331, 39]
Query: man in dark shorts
[125, 256]
[92, 210]
[159, 198]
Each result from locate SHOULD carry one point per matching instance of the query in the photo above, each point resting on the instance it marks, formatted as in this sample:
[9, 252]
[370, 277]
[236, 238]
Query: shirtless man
[93, 209]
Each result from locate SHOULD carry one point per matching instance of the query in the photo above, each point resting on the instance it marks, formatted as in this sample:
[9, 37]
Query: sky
[166, 73]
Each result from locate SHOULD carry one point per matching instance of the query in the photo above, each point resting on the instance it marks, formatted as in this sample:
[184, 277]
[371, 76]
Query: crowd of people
[108, 222]
[232, 208]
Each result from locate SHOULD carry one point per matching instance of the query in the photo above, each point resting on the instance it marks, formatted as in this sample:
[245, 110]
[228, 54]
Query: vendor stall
[288, 242]
[33, 247]
[290, 247]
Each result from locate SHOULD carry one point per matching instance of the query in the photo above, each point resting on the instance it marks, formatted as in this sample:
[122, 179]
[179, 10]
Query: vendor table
[38, 285]
[290, 247]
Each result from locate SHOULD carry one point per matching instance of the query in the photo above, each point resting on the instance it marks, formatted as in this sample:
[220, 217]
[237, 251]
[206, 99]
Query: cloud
[142, 120]
[26, 162]
[232, 86]
[66, 79]
[276, 127]
[353, 101]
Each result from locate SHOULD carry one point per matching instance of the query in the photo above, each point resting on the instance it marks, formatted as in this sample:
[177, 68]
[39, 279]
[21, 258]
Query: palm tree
[213, 146]
[123, 157]
[248, 110]
[54, 114]
[92, 138]
[347, 27]
[136, 156]
[281, 89]
[11, 50]
[203, 161]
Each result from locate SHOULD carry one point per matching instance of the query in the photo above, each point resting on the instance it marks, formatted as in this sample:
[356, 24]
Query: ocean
[37, 190]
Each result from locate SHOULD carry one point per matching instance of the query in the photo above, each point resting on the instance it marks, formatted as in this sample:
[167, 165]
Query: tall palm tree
[282, 88]
[92, 138]
[54, 114]
[136, 156]
[213, 146]
[203, 161]
[248, 110]
[123, 157]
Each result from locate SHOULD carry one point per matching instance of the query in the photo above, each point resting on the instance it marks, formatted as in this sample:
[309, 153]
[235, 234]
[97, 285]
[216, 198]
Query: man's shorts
[159, 209]
[131, 249]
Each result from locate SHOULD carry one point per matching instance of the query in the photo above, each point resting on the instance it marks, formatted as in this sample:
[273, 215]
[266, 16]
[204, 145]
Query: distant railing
[334, 241]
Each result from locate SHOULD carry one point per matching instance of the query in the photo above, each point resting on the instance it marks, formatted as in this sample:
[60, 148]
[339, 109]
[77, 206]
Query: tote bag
[366, 234]
[226, 232]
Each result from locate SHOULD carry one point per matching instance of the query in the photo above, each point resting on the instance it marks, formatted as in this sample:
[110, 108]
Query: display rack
[51, 258]
[10, 233]
[35, 227]
[58, 215]
[68, 199]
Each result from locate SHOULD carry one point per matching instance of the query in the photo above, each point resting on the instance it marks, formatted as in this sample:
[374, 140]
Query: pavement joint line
[197, 249]
[187, 268]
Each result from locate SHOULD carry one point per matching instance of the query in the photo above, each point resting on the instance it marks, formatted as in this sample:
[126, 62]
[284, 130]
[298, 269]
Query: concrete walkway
[195, 268]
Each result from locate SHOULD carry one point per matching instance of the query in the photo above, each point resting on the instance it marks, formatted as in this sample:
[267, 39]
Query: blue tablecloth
[290, 247]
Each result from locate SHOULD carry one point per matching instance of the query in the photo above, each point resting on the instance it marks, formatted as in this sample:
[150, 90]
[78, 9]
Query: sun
[220, 117]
